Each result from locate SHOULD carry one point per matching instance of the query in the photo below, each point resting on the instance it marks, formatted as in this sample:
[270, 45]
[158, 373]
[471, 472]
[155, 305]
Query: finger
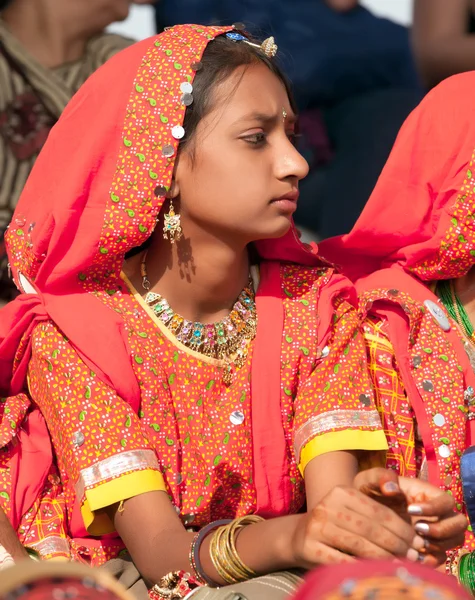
[447, 531]
[367, 528]
[382, 485]
[346, 541]
[380, 515]
[374, 479]
[438, 506]
[317, 553]
[434, 560]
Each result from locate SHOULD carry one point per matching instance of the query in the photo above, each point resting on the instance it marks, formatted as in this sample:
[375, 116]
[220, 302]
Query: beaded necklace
[226, 340]
[446, 292]
[449, 298]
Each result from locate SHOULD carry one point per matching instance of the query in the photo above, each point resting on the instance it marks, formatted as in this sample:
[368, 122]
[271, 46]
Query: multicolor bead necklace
[227, 340]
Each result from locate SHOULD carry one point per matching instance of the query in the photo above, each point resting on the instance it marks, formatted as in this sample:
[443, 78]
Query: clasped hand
[382, 516]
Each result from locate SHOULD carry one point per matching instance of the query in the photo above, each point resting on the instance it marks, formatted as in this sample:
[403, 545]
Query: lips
[292, 196]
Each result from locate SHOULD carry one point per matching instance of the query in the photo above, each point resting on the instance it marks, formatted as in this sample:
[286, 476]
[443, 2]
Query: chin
[278, 231]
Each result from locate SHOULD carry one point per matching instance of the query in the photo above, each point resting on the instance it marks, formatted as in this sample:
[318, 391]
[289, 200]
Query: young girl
[217, 377]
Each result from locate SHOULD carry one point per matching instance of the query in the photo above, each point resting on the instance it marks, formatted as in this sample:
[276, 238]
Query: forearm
[326, 472]
[9, 539]
[159, 544]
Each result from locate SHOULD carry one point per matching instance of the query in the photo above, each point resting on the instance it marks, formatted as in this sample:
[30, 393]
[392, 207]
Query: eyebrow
[267, 118]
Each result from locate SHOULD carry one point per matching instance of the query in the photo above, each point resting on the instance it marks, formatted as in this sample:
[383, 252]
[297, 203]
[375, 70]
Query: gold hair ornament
[268, 46]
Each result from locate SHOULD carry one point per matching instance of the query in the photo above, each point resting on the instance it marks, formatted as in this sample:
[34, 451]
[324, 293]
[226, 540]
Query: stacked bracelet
[224, 555]
[466, 572]
[195, 560]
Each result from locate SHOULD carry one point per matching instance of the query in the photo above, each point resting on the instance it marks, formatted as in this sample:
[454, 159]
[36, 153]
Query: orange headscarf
[420, 215]
[93, 195]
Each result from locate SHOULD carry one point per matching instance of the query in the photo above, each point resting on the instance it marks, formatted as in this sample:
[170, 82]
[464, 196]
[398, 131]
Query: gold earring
[284, 114]
[171, 226]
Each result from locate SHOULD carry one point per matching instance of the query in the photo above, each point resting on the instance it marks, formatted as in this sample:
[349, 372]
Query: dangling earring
[171, 226]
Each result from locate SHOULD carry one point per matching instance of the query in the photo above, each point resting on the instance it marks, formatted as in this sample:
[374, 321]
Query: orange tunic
[192, 434]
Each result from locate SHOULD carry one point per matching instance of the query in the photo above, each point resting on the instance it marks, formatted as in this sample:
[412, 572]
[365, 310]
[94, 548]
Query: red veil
[90, 199]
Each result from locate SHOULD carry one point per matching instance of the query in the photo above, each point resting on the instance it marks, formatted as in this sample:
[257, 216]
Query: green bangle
[466, 571]
[32, 553]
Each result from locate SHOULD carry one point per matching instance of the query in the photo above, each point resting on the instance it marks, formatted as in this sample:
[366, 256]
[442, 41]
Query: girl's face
[241, 183]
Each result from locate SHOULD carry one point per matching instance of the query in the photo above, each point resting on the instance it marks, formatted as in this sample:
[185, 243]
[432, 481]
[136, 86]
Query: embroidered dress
[129, 408]
[418, 228]
[192, 436]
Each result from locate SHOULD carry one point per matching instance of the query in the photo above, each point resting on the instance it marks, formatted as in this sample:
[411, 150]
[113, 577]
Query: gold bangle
[224, 554]
[218, 559]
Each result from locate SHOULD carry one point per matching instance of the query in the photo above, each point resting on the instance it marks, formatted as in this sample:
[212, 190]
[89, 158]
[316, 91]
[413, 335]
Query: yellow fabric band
[379, 339]
[107, 494]
[334, 441]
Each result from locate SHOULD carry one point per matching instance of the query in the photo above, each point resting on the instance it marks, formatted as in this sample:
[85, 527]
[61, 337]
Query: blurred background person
[444, 38]
[355, 81]
[48, 48]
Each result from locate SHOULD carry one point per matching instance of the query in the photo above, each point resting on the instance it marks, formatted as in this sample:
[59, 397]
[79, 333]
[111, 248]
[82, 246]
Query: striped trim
[335, 420]
[52, 545]
[113, 467]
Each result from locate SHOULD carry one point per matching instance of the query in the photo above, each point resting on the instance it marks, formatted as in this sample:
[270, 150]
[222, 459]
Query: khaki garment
[278, 586]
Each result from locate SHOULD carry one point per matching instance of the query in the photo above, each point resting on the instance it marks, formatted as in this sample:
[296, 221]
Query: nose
[290, 163]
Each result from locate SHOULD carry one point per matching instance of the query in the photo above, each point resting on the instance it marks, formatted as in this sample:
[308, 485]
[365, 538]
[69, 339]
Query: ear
[174, 190]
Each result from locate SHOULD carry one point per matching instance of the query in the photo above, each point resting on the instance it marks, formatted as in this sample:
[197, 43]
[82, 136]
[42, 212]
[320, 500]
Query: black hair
[220, 59]
[4, 4]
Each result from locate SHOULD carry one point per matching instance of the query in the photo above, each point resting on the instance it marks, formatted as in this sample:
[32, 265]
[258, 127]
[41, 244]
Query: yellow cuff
[107, 494]
[342, 440]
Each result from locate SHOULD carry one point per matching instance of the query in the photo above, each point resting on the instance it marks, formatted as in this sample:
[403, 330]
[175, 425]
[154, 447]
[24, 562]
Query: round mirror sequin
[444, 451]
[168, 151]
[187, 99]
[160, 190]
[78, 438]
[186, 88]
[237, 417]
[439, 315]
[178, 132]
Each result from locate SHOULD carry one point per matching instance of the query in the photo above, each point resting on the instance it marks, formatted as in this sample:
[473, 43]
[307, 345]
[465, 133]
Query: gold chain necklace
[227, 340]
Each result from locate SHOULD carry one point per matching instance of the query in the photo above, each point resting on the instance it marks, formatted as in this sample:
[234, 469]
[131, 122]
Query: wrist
[285, 545]
[276, 537]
